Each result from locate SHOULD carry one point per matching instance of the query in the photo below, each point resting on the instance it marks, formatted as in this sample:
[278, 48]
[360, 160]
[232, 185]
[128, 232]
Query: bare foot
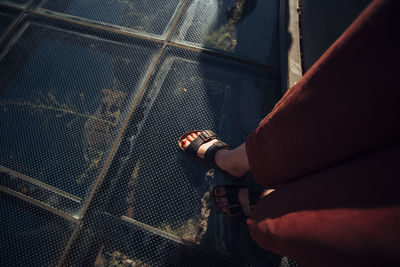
[223, 204]
[233, 161]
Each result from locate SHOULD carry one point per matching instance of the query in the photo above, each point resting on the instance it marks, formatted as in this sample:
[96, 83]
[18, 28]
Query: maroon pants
[331, 144]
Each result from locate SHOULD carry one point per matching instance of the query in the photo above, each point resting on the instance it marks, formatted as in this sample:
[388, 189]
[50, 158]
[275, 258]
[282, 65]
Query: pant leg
[348, 215]
[347, 104]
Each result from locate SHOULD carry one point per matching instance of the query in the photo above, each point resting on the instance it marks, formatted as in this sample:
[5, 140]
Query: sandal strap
[235, 210]
[232, 195]
[202, 138]
[209, 156]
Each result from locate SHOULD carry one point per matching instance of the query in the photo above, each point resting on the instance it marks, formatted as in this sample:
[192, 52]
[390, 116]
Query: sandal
[234, 207]
[204, 137]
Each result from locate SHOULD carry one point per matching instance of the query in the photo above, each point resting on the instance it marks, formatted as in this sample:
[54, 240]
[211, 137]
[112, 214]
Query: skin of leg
[348, 215]
[344, 106]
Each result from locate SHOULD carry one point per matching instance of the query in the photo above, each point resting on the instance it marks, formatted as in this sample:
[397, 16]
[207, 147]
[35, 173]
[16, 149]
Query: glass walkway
[93, 97]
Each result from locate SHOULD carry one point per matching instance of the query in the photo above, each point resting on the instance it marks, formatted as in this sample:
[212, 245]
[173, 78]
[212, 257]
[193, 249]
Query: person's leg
[348, 215]
[347, 104]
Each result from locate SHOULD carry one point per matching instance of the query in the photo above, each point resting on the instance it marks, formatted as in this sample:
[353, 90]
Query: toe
[190, 138]
[225, 210]
[220, 191]
[221, 199]
[185, 143]
[222, 204]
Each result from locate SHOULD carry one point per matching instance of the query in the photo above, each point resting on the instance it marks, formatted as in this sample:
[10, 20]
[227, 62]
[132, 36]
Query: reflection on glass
[145, 16]
[247, 28]
[63, 99]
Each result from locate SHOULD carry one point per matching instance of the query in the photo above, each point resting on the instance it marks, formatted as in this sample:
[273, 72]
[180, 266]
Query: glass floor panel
[126, 243]
[64, 98]
[34, 237]
[169, 190]
[93, 98]
[144, 16]
[5, 21]
[245, 28]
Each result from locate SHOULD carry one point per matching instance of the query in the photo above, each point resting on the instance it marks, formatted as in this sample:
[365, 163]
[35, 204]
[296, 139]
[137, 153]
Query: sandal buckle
[205, 136]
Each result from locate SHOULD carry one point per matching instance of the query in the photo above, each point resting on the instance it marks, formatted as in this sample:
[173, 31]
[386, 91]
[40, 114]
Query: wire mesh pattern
[34, 237]
[63, 102]
[91, 117]
[246, 28]
[129, 243]
[143, 16]
[5, 21]
[167, 189]
[17, 2]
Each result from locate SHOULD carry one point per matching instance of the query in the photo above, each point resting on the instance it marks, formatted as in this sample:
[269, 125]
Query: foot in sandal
[237, 201]
[206, 146]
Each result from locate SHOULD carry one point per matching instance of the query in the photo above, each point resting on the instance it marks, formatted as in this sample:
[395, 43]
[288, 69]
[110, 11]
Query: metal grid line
[152, 229]
[11, 5]
[171, 30]
[167, 40]
[94, 26]
[38, 204]
[12, 26]
[40, 184]
[172, 237]
[31, 4]
[119, 136]
[113, 150]
[271, 69]
[41, 22]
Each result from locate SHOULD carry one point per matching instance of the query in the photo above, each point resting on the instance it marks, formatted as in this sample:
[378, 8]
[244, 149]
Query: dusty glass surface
[247, 28]
[64, 97]
[152, 17]
[167, 189]
[30, 236]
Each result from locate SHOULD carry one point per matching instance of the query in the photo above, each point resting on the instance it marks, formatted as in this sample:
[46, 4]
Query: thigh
[344, 215]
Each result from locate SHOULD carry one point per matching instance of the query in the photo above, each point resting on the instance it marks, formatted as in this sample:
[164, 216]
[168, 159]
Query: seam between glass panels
[113, 150]
[12, 26]
[152, 229]
[171, 30]
[120, 32]
[11, 5]
[31, 5]
[38, 204]
[167, 40]
[34, 181]
[229, 57]
[161, 233]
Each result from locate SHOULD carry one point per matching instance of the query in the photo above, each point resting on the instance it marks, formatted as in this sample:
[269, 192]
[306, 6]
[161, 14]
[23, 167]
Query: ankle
[222, 159]
[230, 162]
